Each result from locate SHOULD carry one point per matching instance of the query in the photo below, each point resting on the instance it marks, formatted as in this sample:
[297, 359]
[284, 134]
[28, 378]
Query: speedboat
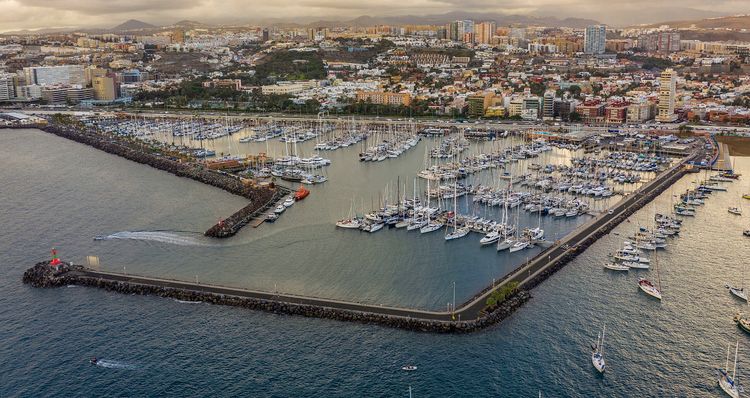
[93, 360]
[271, 217]
[100, 237]
[289, 201]
[373, 227]
[279, 209]
[409, 368]
[649, 288]
[746, 232]
[735, 210]
[536, 233]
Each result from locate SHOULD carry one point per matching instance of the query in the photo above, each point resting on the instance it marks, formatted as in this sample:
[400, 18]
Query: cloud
[23, 14]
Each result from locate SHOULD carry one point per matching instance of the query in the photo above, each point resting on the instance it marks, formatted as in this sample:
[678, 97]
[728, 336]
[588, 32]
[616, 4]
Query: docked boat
[616, 266]
[457, 233]
[349, 223]
[490, 238]
[597, 354]
[636, 265]
[726, 382]
[279, 209]
[301, 193]
[519, 245]
[373, 227]
[431, 227]
[271, 217]
[416, 224]
[289, 201]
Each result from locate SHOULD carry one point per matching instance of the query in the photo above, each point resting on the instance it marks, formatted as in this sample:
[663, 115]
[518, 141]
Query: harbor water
[61, 194]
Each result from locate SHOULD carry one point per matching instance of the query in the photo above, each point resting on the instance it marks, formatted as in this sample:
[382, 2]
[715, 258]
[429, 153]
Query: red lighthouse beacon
[55, 260]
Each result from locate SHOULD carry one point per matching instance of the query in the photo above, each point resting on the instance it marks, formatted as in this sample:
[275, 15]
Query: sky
[34, 14]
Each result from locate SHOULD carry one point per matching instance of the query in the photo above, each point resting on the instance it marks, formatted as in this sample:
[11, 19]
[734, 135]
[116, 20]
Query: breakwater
[261, 197]
[472, 316]
[43, 275]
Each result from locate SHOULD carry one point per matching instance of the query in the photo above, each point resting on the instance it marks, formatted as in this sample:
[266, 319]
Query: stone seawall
[44, 276]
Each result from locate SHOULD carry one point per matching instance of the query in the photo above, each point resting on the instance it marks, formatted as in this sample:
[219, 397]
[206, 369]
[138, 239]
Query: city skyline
[46, 14]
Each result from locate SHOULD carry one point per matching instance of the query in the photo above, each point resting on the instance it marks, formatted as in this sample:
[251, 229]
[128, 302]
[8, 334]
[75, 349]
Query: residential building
[7, 87]
[384, 98]
[105, 88]
[595, 39]
[667, 88]
[51, 75]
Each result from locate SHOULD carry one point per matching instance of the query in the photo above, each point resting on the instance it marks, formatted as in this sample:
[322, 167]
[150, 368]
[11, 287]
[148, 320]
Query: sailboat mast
[601, 349]
[726, 363]
[736, 349]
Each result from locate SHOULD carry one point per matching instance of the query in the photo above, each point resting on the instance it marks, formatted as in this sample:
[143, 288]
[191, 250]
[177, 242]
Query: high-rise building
[548, 105]
[7, 87]
[266, 35]
[485, 31]
[595, 39]
[49, 75]
[667, 88]
[105, 88]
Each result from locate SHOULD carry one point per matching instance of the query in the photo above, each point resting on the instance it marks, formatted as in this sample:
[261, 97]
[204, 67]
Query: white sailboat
[457, 232]
[597, 356]
[728, 383]
[739, 292]
[647, 286]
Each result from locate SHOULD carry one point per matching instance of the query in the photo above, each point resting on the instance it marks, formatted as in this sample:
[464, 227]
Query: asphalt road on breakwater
[527, 275]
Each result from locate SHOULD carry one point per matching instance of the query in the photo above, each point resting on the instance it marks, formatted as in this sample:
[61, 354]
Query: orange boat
[301, 193]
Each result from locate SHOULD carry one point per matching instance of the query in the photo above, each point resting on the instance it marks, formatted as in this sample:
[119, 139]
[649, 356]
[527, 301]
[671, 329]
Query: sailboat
[647, 286]
[728, 383]
[457, 232]
[597, 355]
[739, 292]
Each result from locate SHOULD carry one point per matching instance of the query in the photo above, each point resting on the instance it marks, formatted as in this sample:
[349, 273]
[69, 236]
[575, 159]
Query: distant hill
[132, 24]
[187, 24]
[440, 19]
[730, 22]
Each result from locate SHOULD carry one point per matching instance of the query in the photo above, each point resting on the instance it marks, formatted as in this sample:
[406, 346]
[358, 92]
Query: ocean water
[62, 194]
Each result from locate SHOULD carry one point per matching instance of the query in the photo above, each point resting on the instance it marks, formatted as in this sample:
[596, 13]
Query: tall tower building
[485, 31]
[667, 88]
[595, 39]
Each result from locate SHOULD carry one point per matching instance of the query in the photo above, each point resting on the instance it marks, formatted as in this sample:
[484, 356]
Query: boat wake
[105, 363]
[172, 238]
[188, 302]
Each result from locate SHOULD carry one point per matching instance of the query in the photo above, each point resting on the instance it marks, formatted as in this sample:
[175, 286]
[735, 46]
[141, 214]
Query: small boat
[403, 223]
[616, 267]
[636, 265]
[649, 288]
[597, 356]
[271, 217]
[100, 237]
[409, 368]
[289, 201]
[738, 292]
[93, 360]
[373, 227]
[352, 223]
[431, 227]
[727, 383]
[279, 209]
[742, 322]
[301, 193]
[457, 233]
[746, 196]
[735, 210]
[490, 238]
[505, 244]
[746, 232]
[519, 245]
